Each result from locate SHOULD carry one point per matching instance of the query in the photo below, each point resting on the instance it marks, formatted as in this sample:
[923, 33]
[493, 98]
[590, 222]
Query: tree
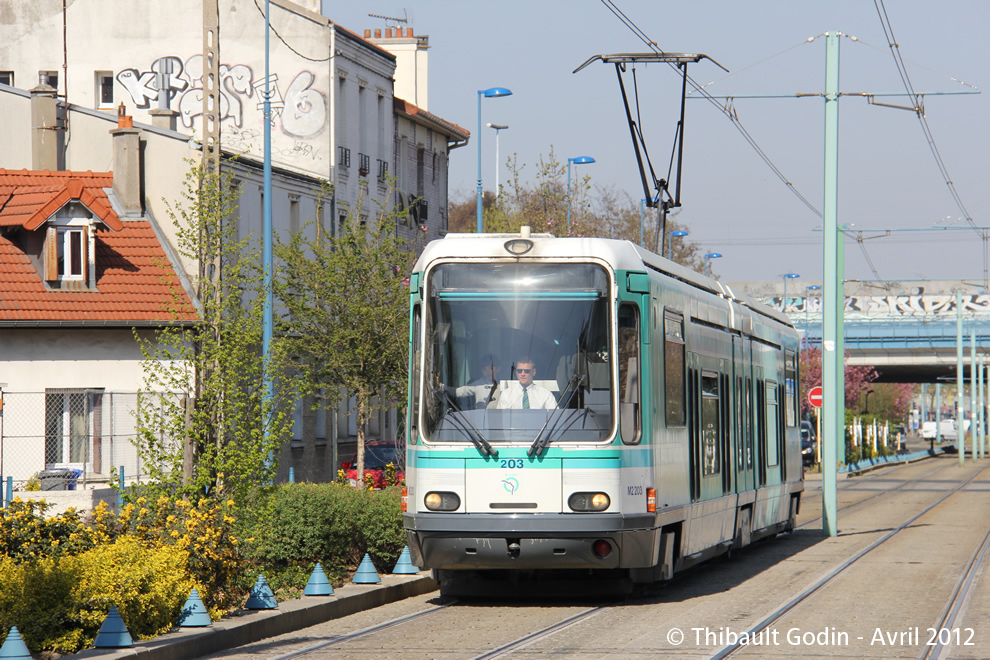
[220, 439]
[858, 378]
[346, 312]
[542, 205]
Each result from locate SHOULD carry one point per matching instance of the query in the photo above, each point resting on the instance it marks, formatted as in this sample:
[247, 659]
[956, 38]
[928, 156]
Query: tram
[659, 426]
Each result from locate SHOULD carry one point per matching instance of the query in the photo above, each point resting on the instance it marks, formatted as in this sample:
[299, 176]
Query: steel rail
[790, 605]
[361, 633]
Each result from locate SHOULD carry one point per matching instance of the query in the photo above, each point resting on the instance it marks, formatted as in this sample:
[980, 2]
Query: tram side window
[790, 385]
[711, 462]
[771, 421]
[414, 406]
[674, 369]
[629, 397]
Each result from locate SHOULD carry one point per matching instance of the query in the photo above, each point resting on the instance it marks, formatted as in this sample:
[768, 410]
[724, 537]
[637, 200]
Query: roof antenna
[389, 19]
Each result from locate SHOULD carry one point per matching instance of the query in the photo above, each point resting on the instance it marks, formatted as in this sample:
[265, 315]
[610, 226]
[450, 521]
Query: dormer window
[68, 249]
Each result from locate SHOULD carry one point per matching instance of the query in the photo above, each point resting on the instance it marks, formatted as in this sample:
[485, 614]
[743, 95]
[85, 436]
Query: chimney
[378, 33]
[409, 33]
[46, 136]
[127, 176]
[163, 118]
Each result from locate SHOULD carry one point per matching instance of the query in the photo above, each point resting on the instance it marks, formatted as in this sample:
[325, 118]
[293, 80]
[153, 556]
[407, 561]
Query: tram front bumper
[544, 542]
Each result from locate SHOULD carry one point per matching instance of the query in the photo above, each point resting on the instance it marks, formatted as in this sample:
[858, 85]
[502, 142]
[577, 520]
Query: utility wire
[287, 44]
[895, 51]
[725, 108]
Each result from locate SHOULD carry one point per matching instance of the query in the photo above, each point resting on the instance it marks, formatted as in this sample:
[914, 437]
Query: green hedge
[332, 524]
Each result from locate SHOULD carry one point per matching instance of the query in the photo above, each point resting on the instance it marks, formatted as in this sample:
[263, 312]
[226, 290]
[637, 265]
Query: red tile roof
[135, 282]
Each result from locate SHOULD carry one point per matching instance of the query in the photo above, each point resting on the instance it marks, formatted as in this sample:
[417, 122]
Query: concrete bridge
[906, 330]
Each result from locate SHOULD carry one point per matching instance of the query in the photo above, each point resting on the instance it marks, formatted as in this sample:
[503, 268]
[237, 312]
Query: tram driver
[524, 393]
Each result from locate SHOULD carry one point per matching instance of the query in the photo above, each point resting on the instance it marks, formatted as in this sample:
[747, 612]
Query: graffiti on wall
[913, 303]
[300, 111]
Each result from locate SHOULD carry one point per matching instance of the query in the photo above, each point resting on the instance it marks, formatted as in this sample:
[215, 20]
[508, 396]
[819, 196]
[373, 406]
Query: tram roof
[620, 255]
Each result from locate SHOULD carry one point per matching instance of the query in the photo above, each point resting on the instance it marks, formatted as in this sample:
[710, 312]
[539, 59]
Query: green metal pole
[980, 434]
[833, 431]
[972, 392]
[960, 435]
[840, 338]
[938, 414]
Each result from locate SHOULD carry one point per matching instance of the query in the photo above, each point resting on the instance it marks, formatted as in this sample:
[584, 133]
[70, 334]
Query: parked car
[808, 448]
[377, 457]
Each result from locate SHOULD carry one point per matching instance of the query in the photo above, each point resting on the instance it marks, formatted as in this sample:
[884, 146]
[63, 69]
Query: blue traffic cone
[404, 565]
[194, 614]
[318, 584]
[261, 597]
[113, 633]
[14, 647]
[366, 573]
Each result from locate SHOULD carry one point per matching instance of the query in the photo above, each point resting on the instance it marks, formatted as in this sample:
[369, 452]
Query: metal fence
[92, 432]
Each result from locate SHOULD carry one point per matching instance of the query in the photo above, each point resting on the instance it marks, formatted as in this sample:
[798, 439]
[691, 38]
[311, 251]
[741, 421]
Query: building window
[364, 164]
[293, 215]
[382, 169]
[70, 415]
[67, 253]
[7, 78]
[343, 157]
[104, 89]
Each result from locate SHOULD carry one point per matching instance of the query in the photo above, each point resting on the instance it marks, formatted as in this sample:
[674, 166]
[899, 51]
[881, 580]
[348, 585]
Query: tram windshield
[517, 352]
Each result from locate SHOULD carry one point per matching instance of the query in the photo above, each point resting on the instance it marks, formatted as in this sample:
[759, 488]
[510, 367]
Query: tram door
[742, 353]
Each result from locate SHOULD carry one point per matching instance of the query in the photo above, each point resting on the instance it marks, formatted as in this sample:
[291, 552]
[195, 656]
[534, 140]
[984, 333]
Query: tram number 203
[513, 463]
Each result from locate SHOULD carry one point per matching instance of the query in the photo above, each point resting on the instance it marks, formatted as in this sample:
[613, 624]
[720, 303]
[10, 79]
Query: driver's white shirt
[512, 396]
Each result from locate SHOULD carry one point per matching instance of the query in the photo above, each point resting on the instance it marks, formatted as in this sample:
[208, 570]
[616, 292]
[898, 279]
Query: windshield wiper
[540, 442]
[476, 436]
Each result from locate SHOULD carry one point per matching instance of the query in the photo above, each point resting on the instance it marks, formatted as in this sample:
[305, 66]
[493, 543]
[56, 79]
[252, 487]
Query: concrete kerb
[880, 461]
[249, 626]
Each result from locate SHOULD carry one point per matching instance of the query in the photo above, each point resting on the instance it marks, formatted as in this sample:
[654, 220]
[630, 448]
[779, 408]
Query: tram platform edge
[248, 626]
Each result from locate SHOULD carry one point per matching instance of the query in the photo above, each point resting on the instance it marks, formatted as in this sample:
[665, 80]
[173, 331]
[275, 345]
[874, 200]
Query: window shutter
[51, 254]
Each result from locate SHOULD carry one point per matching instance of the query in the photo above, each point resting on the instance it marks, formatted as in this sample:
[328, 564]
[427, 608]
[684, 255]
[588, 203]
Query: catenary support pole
[960, 434]
[833, 431]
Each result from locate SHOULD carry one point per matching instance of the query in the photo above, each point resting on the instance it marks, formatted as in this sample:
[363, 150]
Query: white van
[949, 431]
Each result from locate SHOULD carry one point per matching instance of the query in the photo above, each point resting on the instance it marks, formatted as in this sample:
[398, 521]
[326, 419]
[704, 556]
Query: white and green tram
[671, 434]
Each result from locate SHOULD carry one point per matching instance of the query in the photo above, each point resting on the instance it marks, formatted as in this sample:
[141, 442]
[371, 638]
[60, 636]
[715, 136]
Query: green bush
[332, 524]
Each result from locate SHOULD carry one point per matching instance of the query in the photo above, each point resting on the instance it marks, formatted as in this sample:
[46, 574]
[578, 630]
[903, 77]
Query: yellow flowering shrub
[148, 585]
[36, 596]
[26, 534]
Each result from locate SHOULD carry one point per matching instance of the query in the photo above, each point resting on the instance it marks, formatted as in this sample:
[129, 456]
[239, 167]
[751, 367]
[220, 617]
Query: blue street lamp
[498, 128]
[487, 93]
[708, 261]
[783, 300]
[580, 160]
[680, 233]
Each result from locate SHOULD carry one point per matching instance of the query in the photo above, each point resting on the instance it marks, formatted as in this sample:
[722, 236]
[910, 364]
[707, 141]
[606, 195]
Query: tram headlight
[588, 501]
[442, 501]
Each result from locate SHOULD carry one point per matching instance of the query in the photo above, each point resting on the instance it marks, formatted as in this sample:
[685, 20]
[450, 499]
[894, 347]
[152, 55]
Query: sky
[733, 203]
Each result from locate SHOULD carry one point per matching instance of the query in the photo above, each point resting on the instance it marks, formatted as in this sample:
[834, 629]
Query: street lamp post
[497, 127]
[680, 233]
[813, 287]
[783, 299]
[580, 160]
[487, 93]
[708, 261]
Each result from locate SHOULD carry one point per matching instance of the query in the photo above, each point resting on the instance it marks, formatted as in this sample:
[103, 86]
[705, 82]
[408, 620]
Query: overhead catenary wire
[895, 51]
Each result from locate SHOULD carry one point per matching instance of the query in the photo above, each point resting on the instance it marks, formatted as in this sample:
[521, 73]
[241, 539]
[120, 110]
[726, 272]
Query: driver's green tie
[525, 399]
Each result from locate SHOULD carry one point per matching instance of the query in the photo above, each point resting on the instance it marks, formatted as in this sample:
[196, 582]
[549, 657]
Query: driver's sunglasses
[525, 371]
